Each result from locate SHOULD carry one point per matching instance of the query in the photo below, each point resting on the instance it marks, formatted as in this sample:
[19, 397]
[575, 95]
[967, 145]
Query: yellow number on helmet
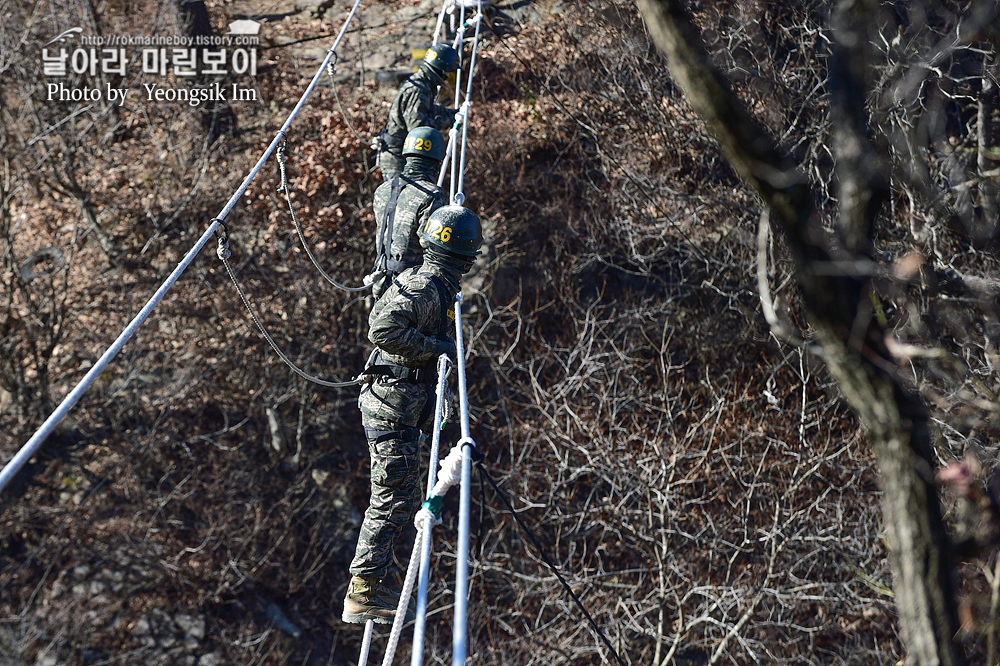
[446, 234]
[427, 145]
[435, 231]
[431, 55]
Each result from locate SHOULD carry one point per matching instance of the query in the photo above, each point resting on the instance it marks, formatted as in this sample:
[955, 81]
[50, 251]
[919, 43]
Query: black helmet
[426, 142]
[453, 231]
[442, 57]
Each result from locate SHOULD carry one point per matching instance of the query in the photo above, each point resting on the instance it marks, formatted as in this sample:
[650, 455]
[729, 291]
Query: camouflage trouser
[391, 165]
[394, 406]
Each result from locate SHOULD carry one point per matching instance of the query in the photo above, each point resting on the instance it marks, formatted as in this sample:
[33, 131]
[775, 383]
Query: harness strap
[395, 266]
[383, 242]
[391, 141]
[378, 436]
[397, 372]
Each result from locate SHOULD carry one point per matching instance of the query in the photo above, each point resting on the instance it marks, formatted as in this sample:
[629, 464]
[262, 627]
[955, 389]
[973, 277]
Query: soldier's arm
[441, 117]
[419, 110]
[396, 329]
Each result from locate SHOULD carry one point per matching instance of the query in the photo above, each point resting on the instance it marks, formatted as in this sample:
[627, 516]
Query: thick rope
[283, 188]
[404, 596]
[224, 253]
[451, 468]
[459, 197]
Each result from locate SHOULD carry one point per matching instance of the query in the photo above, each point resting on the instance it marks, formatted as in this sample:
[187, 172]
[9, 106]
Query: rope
[331, 69]
[477, 19]
[423, 524]
[224, 253]
[366, 643]
[437, 29]
[545, 558]
[416, 652]
[283, 188]
[31, 447]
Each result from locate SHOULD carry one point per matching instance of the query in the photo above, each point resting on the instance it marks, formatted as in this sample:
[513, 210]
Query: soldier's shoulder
[415, 281]
[423, 188]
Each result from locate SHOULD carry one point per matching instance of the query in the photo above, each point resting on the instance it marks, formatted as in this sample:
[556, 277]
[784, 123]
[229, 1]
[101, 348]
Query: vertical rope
[459, 197]
[423, 525]
[366, 643]
[460, 630]
[416, 654]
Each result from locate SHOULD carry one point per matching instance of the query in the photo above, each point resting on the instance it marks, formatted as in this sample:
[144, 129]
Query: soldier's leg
[395, 497]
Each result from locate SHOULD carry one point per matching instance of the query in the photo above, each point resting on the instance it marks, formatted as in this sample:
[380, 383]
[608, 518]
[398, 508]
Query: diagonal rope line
[545, 558]
[29, 449]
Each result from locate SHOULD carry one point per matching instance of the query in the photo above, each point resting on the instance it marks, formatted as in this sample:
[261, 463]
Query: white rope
[451, 468]
[444, 9]
[452, 133]
[459, 197]
[427, 517]
[460, 628]
[404, 596]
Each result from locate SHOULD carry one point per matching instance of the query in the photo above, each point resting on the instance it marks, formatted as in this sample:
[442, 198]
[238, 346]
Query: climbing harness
[383, 240]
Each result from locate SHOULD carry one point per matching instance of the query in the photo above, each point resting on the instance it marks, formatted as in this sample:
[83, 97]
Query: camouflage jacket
[418, 198]
[414, 107]
[406, 322]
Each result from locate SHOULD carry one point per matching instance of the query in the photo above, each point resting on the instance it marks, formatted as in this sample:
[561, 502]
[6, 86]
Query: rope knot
[223, 250]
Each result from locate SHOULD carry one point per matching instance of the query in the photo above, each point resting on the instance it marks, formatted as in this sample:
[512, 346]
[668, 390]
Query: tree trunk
[218, 117]
[838, 301]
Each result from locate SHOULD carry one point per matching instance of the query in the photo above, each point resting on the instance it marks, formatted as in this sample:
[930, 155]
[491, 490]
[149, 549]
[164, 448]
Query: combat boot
[367, 600]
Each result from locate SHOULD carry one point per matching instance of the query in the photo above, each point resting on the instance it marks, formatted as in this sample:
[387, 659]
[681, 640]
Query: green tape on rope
[434, 505]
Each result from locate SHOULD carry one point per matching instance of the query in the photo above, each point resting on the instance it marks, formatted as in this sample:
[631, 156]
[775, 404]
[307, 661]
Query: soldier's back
[416, 201]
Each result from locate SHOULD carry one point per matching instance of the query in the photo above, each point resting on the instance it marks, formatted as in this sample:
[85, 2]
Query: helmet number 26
[440, 232]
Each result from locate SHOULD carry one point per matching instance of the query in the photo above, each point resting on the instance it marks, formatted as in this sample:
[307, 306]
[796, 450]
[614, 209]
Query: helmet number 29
[425, 145]
[440, 232]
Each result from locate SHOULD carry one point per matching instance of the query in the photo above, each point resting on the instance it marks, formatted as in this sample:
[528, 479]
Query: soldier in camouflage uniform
[403, 205]
[414, 107]
[412, 325]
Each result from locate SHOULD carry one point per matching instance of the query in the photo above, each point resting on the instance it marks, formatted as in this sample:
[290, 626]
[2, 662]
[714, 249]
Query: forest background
[678, 446]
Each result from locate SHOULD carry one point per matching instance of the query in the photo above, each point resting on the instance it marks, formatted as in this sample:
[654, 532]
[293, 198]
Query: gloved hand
[446, 347]
[463, 113]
